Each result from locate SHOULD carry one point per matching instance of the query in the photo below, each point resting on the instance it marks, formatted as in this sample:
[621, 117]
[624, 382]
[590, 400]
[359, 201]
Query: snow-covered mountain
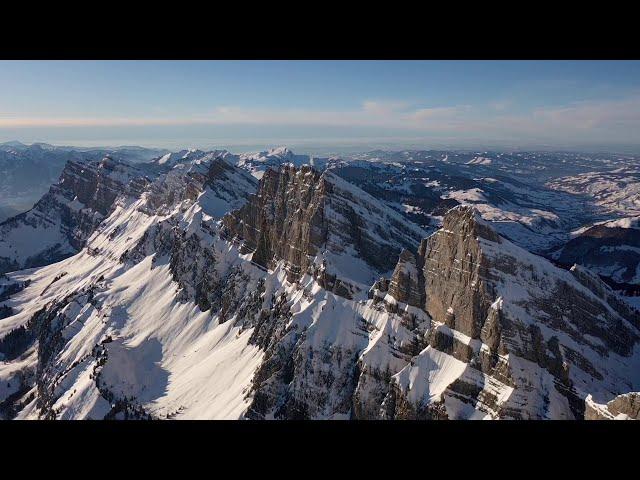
[27, 171]
[610, 249]
[257, 163]
[321, 223]
[59, 224]
[616, 191]
[201, 294]
[171, 159]
[532, 215]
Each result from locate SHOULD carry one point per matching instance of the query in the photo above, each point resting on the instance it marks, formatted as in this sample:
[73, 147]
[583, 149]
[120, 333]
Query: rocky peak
[283, 220]
[68, 213]
[280, 151]
[469, 326]
[215, 183]
[168, 161]
[257, 163]
[407, 281]
[458, 292]
[494, 305]
[320, 224]
[96, 185]
[623, 407]
[466, 220]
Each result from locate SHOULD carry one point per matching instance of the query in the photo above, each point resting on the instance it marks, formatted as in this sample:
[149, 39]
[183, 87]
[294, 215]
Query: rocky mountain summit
[197, 292]
[259, 162]
[60, 223]
[185, 157]
[622, 407]
[27, 171]
[463, 329]
[321, 225]
[522, 326]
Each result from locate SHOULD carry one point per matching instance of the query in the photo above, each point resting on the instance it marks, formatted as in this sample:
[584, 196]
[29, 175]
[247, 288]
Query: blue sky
[322, 103]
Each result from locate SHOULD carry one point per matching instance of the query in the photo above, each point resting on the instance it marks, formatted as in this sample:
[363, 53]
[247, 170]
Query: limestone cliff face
[223, 186]
[312, 221]
[407, 281]
[214, 186]
[284, 220]
[623, 407]
[97, 185]
[458, 289]
[196, 262]
[469, 326]
[66, 216]
[540, 333]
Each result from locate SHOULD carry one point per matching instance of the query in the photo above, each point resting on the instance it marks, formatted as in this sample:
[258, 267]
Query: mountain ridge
[189, 300]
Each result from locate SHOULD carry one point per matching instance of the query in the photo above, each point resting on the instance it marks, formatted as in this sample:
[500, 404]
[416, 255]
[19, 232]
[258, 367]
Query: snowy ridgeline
[27, 171]
[163, 314]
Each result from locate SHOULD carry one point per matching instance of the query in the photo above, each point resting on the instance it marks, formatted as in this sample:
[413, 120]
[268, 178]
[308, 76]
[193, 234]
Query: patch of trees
[16, 342]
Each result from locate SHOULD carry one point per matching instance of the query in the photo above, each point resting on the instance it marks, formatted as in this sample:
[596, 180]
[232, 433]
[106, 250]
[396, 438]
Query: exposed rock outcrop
[317, 223]
[407, 281]
[61, 222]
[223, 186]
[458, 289]
[623, 407]
[285, 292]
[514, 319]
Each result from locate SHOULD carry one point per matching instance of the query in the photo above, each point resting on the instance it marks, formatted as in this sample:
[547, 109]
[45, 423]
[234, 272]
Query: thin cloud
[501, 105]
[611, 119]
[594, 114]
[376, 107]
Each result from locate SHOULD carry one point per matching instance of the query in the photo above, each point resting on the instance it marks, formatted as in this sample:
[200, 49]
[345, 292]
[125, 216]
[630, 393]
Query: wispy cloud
[614, 119]
[501, 105]
[370, 114]
[593, 114]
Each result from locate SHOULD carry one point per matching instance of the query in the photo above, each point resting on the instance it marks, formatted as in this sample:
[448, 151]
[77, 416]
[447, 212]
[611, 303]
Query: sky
[329, 105]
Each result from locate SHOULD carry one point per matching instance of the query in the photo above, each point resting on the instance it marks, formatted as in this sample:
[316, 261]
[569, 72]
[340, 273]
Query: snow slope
[169, 355]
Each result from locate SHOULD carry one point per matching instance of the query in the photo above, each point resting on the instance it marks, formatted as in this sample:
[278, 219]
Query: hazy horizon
[324, 105]
[338, 147]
